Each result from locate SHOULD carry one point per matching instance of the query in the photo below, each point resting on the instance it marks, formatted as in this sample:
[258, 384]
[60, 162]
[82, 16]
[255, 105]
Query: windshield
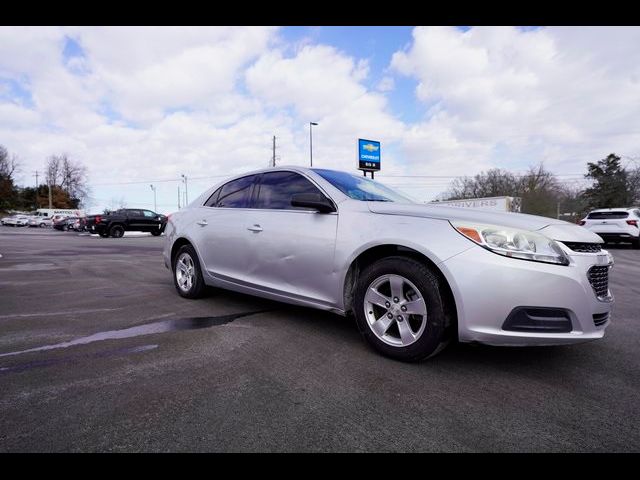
[361, 188]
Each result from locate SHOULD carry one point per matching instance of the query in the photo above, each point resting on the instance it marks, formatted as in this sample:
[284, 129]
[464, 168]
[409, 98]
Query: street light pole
[311, 124]
[155, 206]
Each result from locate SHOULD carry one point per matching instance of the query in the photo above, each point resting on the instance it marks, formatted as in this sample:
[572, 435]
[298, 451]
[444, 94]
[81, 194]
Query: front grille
[600, 319]
[599, 280]
[584, 247]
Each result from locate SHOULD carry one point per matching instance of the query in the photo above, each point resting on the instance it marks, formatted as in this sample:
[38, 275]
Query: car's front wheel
[400, 310]
[187, 276]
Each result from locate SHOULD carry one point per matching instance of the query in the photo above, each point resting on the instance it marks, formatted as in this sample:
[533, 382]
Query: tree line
[543, 194]
[61, 184]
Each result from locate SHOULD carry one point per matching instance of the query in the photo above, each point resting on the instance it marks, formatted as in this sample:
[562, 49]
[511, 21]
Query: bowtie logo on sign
[370, 147]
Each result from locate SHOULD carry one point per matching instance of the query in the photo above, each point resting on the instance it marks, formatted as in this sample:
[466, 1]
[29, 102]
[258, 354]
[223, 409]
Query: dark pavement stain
[171, 325]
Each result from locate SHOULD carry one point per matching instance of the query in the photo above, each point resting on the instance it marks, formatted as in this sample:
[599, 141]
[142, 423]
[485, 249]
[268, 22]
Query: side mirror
[317, 201]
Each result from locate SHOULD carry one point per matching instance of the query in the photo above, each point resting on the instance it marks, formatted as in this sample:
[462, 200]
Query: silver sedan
[414, 276]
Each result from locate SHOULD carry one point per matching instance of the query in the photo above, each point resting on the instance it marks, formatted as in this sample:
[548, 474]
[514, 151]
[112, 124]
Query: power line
[158, 181]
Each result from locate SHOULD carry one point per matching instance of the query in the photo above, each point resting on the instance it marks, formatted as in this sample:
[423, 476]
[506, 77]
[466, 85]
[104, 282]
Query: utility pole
[311, 124]
[178, 196]
[50, 199]
[36, 196]
[274, 152]
[155, 206]
[186, 191]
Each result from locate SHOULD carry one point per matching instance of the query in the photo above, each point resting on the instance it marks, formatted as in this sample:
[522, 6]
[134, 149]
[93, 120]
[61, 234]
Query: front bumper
[488, 287]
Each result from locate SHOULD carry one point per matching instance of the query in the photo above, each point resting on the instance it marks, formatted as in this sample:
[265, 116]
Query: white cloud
[387, 84]
[323, 85]
[560, 95]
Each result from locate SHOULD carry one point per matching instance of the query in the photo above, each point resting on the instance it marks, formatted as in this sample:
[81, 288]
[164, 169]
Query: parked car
[615, 224]
[38, 221]
[57, 218]
[16, 220]
[126, 220]
[414, 275]
[69, 223]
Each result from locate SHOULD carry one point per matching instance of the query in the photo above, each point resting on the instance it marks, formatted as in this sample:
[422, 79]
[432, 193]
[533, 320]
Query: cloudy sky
[143, 105]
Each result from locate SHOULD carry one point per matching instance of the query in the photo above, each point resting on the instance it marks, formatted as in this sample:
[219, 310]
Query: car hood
[550, 227]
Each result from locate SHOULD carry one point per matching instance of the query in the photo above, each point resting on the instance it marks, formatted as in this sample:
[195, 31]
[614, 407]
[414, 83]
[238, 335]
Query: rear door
[136, 220]
[220, 231]
[291, 248]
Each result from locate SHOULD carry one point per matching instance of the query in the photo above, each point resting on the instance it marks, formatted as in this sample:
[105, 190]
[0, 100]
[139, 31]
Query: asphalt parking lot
[99, 353]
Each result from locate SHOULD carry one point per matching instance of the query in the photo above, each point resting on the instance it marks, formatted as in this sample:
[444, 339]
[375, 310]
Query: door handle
[202, 223]
[256, 228]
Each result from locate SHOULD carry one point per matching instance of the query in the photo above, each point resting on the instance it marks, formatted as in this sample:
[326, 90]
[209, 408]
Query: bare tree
[538, 188]
[69, 175]
[9, 165]
[493, 183]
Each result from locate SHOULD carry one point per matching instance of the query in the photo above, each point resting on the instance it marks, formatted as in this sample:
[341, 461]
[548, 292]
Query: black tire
[156, 233]
[116, 231]
[635, 243]
[197, 288]
[65, 228]
[434, 337]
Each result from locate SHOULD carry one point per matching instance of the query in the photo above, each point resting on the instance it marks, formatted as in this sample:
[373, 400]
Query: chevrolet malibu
[414, 276]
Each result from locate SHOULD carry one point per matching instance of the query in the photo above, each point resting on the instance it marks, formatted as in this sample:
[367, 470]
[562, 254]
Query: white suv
[615, 224]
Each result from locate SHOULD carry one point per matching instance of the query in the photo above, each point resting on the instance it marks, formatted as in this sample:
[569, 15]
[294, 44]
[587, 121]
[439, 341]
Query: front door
[292, 248]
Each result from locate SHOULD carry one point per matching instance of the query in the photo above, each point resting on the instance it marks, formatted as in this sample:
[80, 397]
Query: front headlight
[514, 243]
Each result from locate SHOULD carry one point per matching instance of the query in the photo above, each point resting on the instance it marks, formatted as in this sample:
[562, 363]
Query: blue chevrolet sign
[368, 155]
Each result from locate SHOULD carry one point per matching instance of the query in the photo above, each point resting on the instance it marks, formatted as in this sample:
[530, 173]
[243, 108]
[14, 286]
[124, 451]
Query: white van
[50, 212]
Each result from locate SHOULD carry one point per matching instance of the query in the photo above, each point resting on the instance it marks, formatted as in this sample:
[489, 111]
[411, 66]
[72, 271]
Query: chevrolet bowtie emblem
[370, 147]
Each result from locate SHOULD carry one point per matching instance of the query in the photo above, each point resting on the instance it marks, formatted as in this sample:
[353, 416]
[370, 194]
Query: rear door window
[236, 193]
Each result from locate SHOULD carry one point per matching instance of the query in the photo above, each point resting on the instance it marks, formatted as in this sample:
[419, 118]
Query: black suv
[114, 224]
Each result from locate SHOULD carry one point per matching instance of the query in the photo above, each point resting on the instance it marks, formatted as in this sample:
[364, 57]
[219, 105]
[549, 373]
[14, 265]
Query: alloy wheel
[185, 272]
[395, 310]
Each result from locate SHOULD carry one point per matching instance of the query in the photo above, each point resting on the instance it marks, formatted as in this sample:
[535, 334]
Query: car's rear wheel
[65, 228]
[400, 310]
[116, 231]
[156, 233]
[187, 276]
[635, 243]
